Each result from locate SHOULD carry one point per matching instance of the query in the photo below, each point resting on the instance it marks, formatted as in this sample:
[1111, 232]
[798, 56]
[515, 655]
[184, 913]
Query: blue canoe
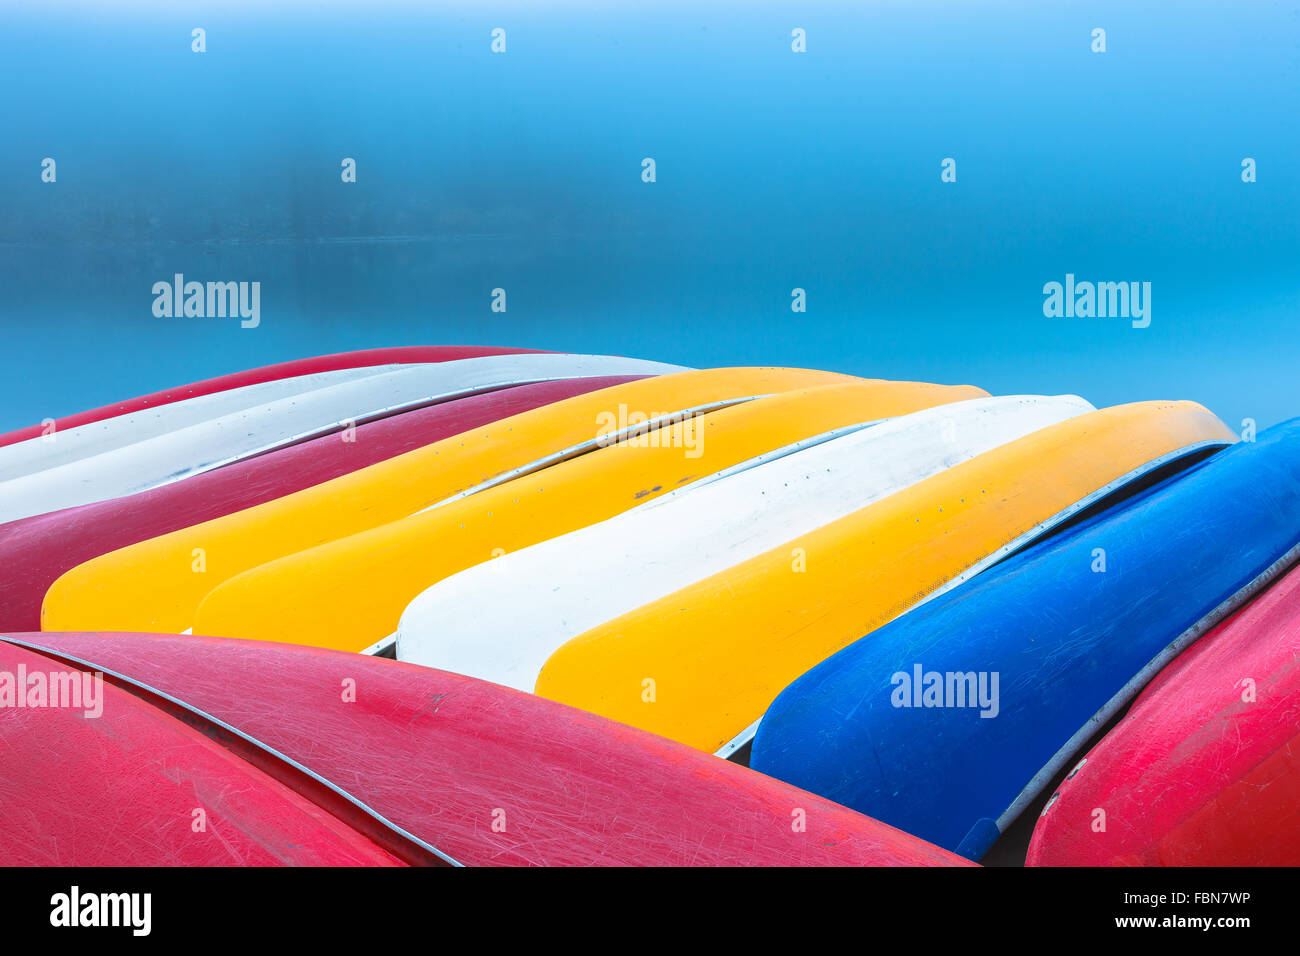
[1057, 638]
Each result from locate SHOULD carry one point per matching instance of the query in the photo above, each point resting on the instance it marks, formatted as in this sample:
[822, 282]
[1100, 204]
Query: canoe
[1072, 628]
[150, 586]
[1204, 769]
[717, 652]
[487, 775]
[267, 373]
[87, 441]
[383, 569]
[209, 444]
[35, 551]
[134, 786]
[580, 580]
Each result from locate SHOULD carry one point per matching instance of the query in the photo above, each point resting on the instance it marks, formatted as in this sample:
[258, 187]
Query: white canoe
[501, 620]
[209, 444]
[85, 441]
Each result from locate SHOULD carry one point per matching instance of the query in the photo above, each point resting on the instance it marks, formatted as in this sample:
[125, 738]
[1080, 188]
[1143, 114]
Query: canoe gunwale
[381, 647]
[1087, 501]
[332, 428]
[140, 688]
[768, 456]
[593, 444]
[279, 371]
[76, 445]
[372, 415]
[1224, 610]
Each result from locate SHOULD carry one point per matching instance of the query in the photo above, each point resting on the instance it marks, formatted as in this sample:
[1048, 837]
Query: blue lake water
[775, 170]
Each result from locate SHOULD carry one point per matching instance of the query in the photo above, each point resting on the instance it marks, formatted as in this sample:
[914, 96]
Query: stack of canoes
[916, 611]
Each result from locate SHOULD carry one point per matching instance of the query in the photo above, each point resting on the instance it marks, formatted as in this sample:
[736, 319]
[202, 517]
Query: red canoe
[488, 775]
[137, 787]
[35, 551]
[1204, 770]
[268, 373]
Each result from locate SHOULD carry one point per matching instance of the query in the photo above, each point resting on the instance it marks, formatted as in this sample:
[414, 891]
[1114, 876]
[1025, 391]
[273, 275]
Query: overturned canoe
[383, 569]
[199, 447]
[713, 655]
[63, 448]
[35, 551]
[470, 623]
[1204, 769]
[1054, 641]
[113, 781]
[472, 770]
[401, 355]
[151, 586]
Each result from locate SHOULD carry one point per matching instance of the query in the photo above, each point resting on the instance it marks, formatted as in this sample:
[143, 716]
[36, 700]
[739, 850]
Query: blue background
[775, 170]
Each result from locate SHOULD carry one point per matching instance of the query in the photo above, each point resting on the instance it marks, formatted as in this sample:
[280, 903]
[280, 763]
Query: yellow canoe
[702, 664]
[378, 572]
[157, 585]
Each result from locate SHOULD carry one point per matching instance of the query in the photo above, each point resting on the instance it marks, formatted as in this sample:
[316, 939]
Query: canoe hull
[199, 447]
[474, 769]
[386, 567]
[173, 796]
[150, 586]
[721, 650]
[36, 550]
[1070, 630]
[580, 581]
[1204, 769]
[268, 373]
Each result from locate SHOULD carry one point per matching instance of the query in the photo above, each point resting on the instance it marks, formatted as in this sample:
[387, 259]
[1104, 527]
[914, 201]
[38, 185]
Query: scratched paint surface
[459, 755]
[123, 789]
